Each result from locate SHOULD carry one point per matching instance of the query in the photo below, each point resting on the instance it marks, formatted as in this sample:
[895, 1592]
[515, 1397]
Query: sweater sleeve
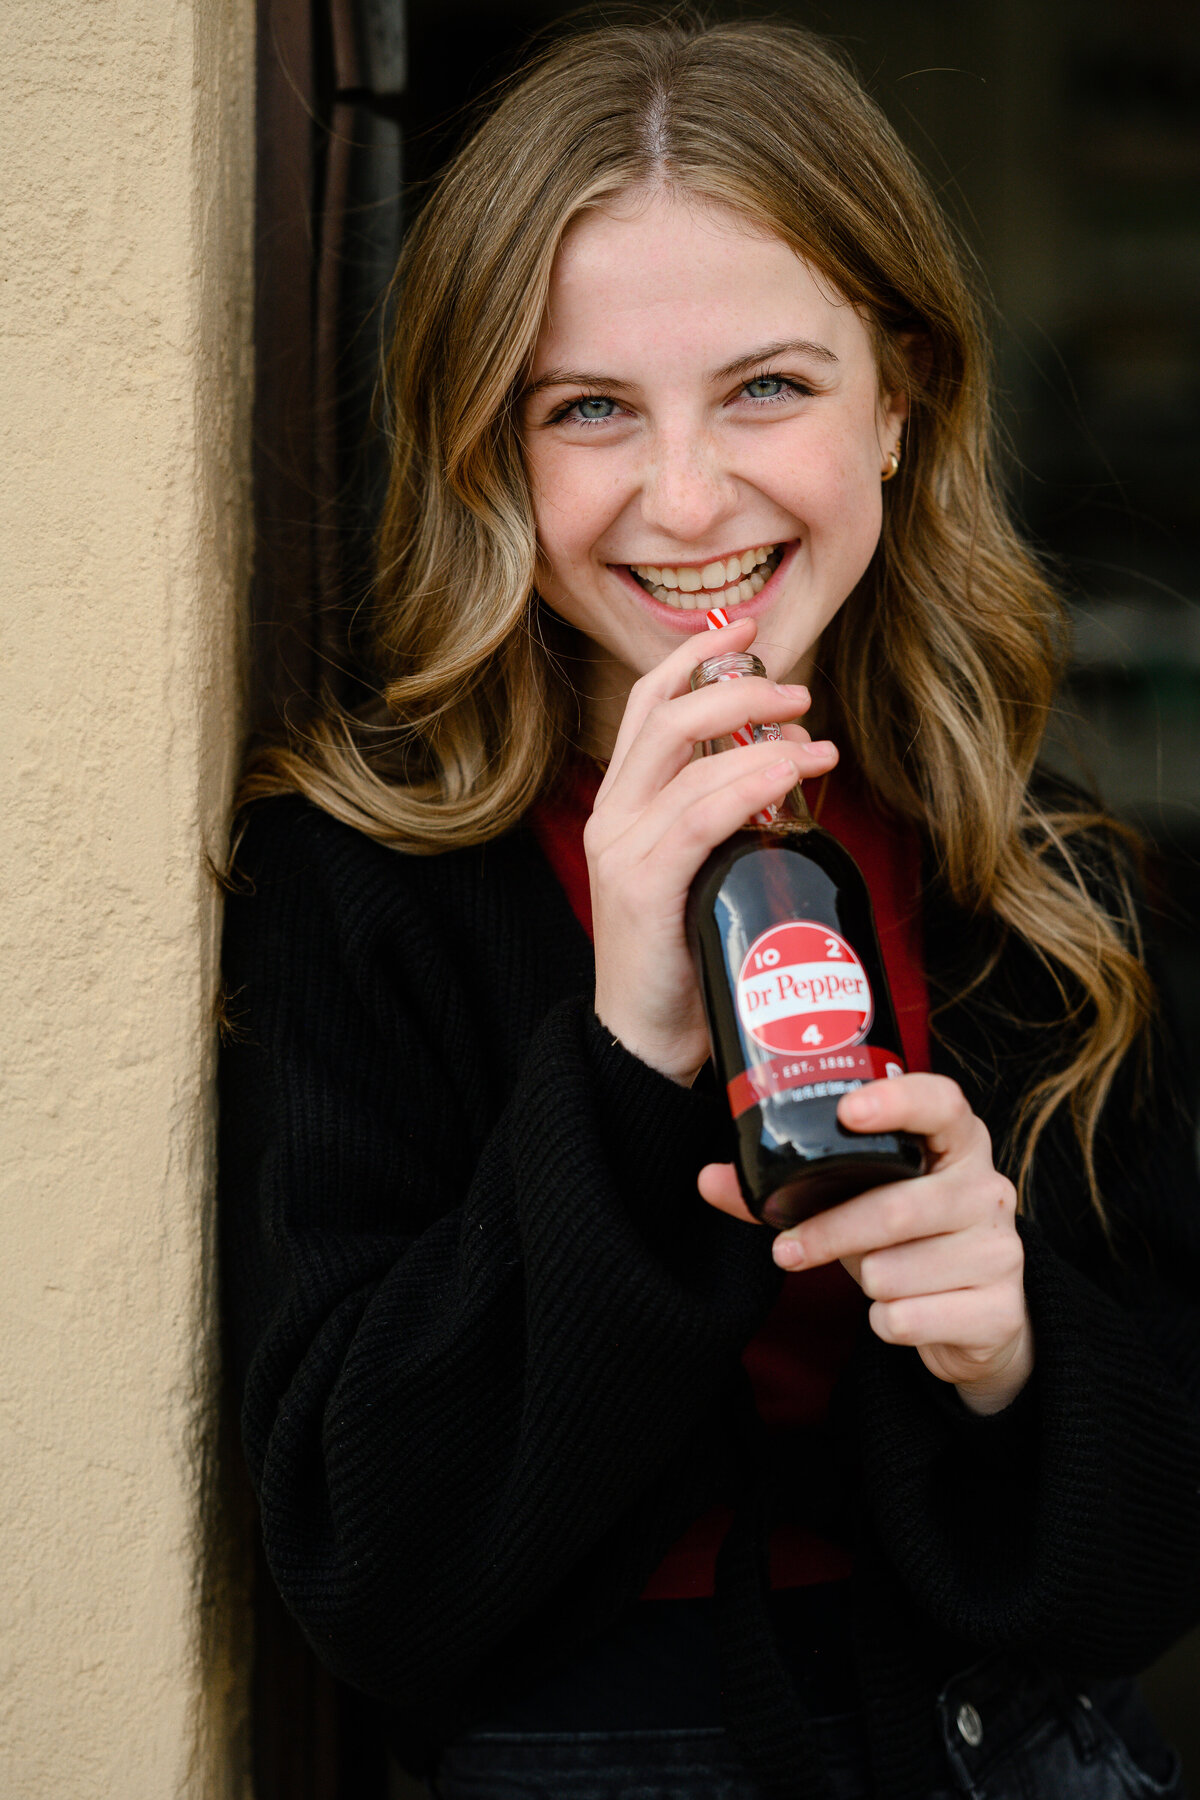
[484, 1327]
[1067, 1527]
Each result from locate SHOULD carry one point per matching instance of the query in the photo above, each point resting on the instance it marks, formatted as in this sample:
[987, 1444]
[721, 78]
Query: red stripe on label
[811, 1077]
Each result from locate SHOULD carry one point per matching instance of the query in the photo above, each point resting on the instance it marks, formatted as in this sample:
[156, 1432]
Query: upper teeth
[733, 573]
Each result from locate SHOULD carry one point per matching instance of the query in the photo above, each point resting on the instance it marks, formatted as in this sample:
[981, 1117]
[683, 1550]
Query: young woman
[599, 1487]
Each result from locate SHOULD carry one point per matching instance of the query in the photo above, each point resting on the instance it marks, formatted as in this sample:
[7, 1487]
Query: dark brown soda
[793, 1157]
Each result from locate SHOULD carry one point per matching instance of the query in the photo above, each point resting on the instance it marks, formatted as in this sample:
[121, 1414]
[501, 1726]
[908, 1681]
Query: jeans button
[970, 1725]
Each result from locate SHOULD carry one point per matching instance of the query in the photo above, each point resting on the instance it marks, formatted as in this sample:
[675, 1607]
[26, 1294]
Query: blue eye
[594, 408]
[767, 387]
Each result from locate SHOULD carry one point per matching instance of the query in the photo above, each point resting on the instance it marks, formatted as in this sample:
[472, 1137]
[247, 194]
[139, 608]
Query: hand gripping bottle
[780, 924]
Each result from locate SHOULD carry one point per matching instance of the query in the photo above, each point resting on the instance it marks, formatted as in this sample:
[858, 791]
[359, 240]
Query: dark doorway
[1064, 140]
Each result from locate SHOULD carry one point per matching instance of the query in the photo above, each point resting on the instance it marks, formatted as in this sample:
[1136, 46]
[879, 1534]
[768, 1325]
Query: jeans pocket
[1132, 1742]
[1015, 1734]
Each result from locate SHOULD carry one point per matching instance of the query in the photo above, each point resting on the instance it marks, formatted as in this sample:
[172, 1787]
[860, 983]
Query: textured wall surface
[125, 287]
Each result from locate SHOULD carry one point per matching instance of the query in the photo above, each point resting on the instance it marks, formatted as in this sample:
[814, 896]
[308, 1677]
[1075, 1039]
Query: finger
[937, 1265]
[642, 875]
[932, 1106]
[718, 1184]
[980, 1319]
[758, 768]
[674, 854]
[900, 1213]
[672, 727]
[670, 678]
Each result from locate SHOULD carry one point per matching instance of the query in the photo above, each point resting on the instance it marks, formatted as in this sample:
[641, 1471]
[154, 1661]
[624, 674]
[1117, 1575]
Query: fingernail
[787, 1253]
[857, 1106]
[822, 744]
[785, 767]
[791, 690]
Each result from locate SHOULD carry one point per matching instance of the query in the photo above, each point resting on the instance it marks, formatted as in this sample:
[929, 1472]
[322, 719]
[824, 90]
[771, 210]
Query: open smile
[682, 593]
[722, 582]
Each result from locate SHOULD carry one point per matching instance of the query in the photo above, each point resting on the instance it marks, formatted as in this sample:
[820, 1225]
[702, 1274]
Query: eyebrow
[768, 352]
[582, 378]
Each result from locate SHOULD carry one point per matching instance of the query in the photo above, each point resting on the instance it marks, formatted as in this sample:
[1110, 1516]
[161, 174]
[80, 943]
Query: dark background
[1064, 140]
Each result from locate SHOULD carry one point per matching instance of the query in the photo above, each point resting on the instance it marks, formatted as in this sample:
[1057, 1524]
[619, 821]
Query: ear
[916, 355]
[893, 415]
[890, 419]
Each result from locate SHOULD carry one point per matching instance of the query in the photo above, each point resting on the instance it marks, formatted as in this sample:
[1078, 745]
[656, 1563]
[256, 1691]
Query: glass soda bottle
[781, 928]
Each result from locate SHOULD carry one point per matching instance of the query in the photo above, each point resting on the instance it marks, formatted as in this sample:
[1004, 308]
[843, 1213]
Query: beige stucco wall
[125, 302]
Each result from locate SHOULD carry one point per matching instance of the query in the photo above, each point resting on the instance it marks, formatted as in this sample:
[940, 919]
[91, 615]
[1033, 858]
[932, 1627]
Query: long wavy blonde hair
[945, 659]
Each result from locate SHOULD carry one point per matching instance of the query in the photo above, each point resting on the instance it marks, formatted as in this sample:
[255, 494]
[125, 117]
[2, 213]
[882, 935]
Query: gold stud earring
[893, 465]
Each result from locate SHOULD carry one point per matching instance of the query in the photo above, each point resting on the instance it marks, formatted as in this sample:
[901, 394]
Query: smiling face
[702, 426]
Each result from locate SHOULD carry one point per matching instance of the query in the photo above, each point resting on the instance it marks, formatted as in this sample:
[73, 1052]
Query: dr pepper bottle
[781, 928]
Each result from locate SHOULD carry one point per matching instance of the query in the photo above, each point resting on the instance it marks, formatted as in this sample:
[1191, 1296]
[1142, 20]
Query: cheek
[854, 518]
[568, 509]
[840, 498]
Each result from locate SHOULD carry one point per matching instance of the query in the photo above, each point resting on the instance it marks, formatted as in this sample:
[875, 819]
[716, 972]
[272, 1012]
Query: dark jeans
[1006, 1735]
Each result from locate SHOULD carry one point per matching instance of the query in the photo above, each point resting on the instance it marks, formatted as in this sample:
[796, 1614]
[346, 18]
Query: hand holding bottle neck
[732, 665]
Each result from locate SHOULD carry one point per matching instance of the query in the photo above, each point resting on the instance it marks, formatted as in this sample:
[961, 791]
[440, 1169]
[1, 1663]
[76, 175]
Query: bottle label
[811, 1077]
[802, 990]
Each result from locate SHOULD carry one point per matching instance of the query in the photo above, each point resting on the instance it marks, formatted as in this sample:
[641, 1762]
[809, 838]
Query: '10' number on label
[766, 959]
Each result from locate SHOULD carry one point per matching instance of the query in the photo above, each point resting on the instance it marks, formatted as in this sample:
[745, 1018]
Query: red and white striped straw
[715, 618]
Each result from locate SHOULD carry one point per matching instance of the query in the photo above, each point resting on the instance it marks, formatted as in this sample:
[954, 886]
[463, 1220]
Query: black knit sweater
[489, 1336]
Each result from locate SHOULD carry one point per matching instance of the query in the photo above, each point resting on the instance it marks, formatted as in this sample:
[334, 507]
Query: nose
[687, 492]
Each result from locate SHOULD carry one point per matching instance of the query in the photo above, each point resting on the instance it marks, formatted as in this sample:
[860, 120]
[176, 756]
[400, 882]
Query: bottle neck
[726, 667]
[793, 808]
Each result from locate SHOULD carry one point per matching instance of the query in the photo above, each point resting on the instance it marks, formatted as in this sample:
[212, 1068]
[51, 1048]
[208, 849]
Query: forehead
[673, 276]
